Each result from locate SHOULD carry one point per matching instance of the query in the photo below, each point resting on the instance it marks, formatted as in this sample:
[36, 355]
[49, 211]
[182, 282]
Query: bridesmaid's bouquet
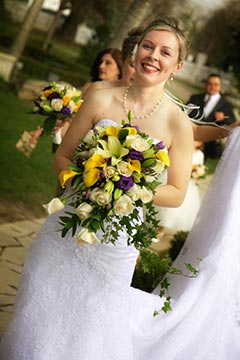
[115, 172]
[199, 171]
[57, 102]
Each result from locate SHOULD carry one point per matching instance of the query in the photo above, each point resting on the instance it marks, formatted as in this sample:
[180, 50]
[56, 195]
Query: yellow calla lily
[78, 106]
[66, 100]
[163, 156]
[134, 165]
[91, 177]
[111, 130]
[97, 160]
[47, 92]
[131, 131]
[65, 175]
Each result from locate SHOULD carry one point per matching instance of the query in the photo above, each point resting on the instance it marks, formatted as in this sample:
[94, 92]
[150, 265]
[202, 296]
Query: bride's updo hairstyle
[173, 25]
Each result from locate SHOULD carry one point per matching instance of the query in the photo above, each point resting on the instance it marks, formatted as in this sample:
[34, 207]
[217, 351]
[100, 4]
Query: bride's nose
[154, 55]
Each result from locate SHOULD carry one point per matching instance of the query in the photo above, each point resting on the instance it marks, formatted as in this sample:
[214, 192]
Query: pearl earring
[171, 76]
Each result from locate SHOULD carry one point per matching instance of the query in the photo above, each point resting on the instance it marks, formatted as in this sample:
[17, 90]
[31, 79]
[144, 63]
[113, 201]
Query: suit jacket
[222, 105]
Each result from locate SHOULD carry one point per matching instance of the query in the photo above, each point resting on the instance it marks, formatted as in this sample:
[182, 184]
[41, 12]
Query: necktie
[206, 101]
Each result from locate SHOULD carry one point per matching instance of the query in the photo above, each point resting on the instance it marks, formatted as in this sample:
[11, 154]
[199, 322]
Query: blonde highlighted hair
[173, 25]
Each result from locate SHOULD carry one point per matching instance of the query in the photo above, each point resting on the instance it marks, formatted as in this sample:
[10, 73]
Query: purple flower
[102, 175]
[108, 160]
[80, 162]
[65, 111]
[54, 95]
[37, 101]
[108, 207]
[47, 88]
[160, 145]
[125, 182]
[133, 126]
[135, 155]
[86, 196]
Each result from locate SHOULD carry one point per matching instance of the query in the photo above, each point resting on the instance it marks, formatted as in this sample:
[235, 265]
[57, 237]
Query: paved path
[15, 239]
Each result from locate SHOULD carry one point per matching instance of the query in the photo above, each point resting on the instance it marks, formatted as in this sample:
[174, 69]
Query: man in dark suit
[213, 107]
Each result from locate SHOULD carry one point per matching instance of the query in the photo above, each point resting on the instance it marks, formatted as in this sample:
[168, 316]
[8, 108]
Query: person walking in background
[213, 107]
[128, 70]
[107, 66]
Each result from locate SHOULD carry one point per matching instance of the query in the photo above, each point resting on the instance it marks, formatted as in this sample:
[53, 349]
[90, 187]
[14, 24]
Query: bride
[75, 301]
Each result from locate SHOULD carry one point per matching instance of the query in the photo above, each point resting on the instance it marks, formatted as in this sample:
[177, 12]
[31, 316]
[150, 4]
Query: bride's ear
[179, 66]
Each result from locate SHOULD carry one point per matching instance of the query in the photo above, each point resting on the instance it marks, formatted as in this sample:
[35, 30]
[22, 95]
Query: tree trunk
[137, 12]
[77, 16]
[53, 25]
[27, 25]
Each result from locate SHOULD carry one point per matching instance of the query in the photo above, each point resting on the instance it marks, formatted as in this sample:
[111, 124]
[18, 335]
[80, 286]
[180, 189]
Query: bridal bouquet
[115, 172]
[57, 102]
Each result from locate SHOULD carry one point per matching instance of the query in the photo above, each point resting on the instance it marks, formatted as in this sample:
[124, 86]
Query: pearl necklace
[124, 102]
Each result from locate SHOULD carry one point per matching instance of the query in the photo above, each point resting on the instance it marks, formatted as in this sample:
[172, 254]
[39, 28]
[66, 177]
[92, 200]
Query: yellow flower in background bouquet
[115, 172]
[57, 102]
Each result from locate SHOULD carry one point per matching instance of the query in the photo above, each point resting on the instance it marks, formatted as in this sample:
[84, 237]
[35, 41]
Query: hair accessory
[135, 49]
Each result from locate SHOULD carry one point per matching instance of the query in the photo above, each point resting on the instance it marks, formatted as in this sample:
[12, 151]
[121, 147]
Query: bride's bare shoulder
[176, 115]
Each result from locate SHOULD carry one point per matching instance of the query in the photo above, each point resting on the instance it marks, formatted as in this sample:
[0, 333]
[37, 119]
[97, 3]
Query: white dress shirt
[211, 101]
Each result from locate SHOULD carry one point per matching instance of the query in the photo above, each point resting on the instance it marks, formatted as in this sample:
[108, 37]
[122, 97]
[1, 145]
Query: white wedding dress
[75, 302]
[182, 218]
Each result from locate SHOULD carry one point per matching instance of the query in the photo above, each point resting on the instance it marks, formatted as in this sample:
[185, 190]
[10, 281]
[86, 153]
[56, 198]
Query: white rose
[123, 206]
[53, 206]
[137, 143]
[134, 192]
[159, 167]
[72, 106]
[70, 91]
[86, 237]
[101, 197]
[123, 169]
[109, 171]
[57, 104]
[149, 178]
[83, 210]
[89, 137]
[146, 195]
[83, 154]
[201, 170]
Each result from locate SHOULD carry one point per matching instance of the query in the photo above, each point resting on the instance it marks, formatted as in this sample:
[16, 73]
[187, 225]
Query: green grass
[27, 180]
[211, 165]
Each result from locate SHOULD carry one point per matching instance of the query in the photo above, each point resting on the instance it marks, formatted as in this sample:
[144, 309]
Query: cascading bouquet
[115, 172]
[57, 102]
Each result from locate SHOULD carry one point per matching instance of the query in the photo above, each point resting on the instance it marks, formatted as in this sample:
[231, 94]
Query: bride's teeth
[149, 67]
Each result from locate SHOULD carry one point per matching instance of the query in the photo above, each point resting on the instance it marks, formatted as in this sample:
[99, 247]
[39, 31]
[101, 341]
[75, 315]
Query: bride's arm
[180, 153]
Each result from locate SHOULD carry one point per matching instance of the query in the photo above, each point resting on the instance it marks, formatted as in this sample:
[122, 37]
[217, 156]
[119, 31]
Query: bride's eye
[147, 46]
[165, 52]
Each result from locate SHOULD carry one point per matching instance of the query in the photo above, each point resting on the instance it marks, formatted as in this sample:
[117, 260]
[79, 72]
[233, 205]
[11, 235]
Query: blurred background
[56, 40]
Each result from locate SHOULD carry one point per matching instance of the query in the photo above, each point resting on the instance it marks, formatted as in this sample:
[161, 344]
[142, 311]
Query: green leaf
[49, 124]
